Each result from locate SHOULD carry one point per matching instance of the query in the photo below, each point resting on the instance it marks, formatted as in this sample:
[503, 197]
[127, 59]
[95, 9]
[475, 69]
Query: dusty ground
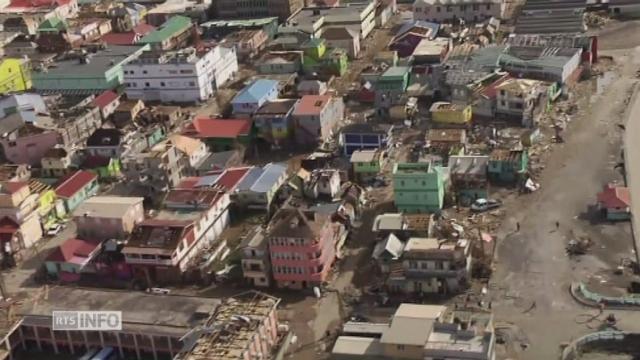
[532, 271]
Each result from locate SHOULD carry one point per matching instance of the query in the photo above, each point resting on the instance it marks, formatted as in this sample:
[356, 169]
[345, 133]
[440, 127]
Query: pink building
[27, 144]
[302, 247]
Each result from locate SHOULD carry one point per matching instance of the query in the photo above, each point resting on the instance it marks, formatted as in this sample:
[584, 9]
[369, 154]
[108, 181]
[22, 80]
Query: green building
[173, 34]
[418, 187]
[507, 165]
[88, 73]
[366, 164]
[391, 85]
[318, 59]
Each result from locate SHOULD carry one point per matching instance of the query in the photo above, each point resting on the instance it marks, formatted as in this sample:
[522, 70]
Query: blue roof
[270, 176]
[256, 91]
[250, 178]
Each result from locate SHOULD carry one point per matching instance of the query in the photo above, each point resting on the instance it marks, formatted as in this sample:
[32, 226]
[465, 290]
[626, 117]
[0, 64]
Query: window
[449, 9]
[437, 8]
[12, 143]
[144, 71]
[488, 6]
[463, 7]
[191, 83]
[162, 83]
[147, 84]
[400, 347]
[148, 257]
[186, 71]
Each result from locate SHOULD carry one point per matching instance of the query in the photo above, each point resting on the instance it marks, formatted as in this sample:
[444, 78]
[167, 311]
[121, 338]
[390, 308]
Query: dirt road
[532, 275]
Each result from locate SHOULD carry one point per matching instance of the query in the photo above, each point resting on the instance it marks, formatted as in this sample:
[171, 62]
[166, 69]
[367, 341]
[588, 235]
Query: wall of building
[29, 149]
[476, 11]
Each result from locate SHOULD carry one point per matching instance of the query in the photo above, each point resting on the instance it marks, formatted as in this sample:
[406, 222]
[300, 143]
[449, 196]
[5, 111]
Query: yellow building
[15, 75]
[448, 113]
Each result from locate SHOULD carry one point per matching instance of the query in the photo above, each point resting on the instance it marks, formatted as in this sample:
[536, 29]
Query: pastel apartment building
[448, 11]
[418, 187]
[358, 17]
[247, 9]
[259, 187]
[316, 117]
[302, 248]
[73, 257]
[184, 75]
[24, 16]
[252, 97]
[108, 217]
[163, 248]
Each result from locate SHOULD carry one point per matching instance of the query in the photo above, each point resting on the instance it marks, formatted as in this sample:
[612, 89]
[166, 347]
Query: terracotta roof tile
[219, 128]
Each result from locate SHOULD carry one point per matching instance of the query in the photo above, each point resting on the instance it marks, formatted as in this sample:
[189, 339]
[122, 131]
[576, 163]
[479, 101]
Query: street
[529, 288]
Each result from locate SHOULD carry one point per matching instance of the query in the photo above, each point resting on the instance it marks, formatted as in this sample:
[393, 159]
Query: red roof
[125, 38]
[219, 128]
[8, 225]
[143, 29]
[73, 248]
[231, 177]
[11, 187]
[105, 99]
[613, 196]
[311, 104]
[74, 183]
[188, 183]
[490, 90]
[37, 3]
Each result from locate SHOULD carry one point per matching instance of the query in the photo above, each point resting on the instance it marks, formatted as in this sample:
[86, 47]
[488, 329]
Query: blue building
[364, 137]
[252, 97]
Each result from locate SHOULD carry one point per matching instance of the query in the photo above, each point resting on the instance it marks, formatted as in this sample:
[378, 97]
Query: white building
[358, 17]
[179, 76]
[450, 10]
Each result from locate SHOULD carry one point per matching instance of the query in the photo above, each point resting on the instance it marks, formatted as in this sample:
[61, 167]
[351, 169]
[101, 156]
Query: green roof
[53, 24]
[396, 71]
[174, 25]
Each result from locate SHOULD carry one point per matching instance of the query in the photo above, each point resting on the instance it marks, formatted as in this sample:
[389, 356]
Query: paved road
[530, 284]
[632, 158]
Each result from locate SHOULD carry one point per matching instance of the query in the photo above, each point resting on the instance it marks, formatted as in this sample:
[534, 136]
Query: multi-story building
[468, 176]
[259, 187]
[418, 331]
[256, 267]
[242, 327]
[108, 217]
[316, 117]
[426, 266]
[439, 11]
[175, 33]
[86, 73]
[248, 43]
[302, 247]
[273, 121]
[14, 75]
[162, 249]
[358, 17]
[418, 187]
[179, 76]
[282, 9]
[159, 166]
[254, 95]
[25, 16]
[518, 99]
[19, 220]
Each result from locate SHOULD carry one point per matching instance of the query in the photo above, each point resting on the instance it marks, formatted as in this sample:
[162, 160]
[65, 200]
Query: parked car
[481, 205]
[55, 230]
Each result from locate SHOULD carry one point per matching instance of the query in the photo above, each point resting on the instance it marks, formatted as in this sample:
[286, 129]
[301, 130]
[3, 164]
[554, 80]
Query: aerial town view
[319, 179]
